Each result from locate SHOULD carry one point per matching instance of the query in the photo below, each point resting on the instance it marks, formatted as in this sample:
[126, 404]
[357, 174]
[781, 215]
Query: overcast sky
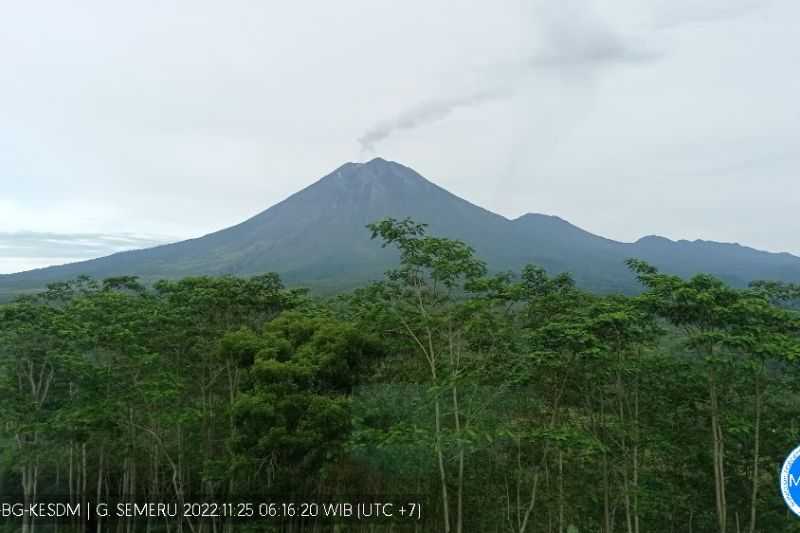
[129, 123]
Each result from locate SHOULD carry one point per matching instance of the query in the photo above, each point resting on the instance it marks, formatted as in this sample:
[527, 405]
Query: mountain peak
[539, 216]
[376, 162]
[377, 171]
[656, 239]
[381, 165]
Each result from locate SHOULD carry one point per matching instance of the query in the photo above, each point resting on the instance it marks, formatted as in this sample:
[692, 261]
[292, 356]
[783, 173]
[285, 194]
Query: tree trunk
[84, 481]
[606, 497]
[100, 484]
[626, 486]
[442, 471]
[636, 458]
[756, 451]
[560, 491]
[70, 490]
[718, 449]
[455, 360]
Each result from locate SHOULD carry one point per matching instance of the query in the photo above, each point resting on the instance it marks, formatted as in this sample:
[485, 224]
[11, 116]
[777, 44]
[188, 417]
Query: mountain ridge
[317, 237]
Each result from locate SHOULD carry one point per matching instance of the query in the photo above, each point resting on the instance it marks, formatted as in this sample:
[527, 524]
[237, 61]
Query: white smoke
[571, 39]
[424, 114]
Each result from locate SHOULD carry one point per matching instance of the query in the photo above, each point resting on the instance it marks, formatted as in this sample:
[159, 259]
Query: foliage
[509, 402]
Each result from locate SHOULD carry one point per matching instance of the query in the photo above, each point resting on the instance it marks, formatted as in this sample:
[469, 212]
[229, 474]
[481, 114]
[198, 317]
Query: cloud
[570, 37]
[36, 249]
[653, 97]
[573, 45]
[670, 14]
[424, 114]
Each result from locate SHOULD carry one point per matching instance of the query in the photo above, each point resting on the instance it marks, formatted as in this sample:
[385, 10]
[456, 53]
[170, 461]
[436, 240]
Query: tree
[727, 327]
[293, 415]
[425, 296]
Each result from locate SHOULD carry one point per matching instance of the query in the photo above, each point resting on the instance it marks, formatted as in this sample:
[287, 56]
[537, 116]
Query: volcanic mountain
[317, 238]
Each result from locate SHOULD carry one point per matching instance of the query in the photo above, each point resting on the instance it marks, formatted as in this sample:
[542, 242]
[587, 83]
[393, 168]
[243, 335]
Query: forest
[501, 402]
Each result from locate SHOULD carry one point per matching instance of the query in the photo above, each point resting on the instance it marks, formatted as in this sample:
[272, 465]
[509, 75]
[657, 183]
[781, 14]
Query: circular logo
[790, 481]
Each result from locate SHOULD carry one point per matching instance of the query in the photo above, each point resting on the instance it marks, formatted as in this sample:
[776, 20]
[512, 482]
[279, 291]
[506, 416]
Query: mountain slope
[318, 237]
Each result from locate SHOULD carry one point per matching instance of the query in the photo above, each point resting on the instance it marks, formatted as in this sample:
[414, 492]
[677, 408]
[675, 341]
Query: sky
[127, 124]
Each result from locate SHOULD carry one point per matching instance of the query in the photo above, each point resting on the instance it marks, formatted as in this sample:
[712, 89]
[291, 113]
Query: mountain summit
[317, 237]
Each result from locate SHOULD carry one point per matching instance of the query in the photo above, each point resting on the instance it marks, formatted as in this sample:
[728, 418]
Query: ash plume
[424, 114]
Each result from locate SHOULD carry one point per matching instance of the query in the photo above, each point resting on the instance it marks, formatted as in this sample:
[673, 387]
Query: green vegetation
[508, 402]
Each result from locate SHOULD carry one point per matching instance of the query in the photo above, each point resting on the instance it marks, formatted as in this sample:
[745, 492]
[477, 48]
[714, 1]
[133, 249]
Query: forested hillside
[504, 402]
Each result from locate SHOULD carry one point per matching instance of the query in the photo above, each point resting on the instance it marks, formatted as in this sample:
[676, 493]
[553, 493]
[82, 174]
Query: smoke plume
[424, 114]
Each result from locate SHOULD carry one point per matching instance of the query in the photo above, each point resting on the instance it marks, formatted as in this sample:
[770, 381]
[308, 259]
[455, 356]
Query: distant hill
[317, 237]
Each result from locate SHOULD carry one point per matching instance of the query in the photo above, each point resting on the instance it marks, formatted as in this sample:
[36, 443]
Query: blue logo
[790, 481]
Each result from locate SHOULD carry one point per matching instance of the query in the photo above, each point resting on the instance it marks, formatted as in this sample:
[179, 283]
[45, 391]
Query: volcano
[317, 238]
